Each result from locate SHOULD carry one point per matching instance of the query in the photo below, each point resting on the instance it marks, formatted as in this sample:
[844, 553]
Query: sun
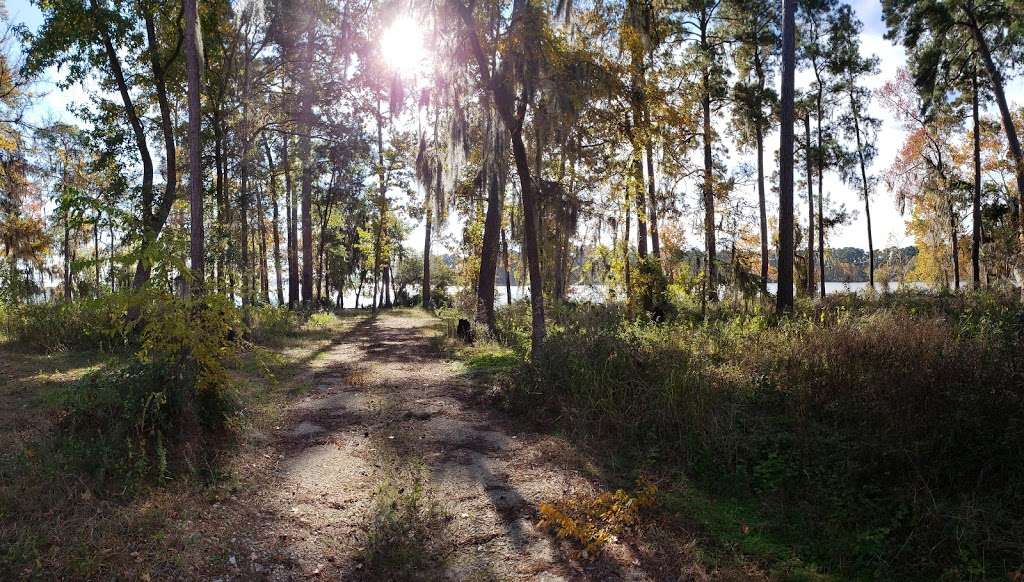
[402, 46]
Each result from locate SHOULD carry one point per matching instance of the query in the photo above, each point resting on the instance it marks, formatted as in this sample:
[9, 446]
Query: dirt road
[393, 466]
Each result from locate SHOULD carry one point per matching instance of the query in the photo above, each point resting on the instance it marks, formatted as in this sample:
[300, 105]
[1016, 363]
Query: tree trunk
[359, 291]
[1004, 112]
[305, 154]
[710, 264]
[976, 199]
[321, 251]
[163, 209]
[810, 207]
[709, 192]
[193, 66]
[784, 294]
[382, 205]
[243, 219]
[219, 178]
[637, 182]
[505, 103]
[244, 194]
[762, 209]
[530, 226]
[110, 275]
[68, 274]
[955, 245]
[626, 275]
[95, 252]
[293, 229]
[508, 273]
[652, 202]
[820, 153]
[148, 236]
[489, 253]
[426, 256]
[262, 232]
[866, 191]
[278, 279]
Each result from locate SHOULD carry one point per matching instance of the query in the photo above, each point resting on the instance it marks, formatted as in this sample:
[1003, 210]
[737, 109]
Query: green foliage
[155, 416]
[320, 320]
[269, 323]
[858, 425]
[648, 291]
[96, 323]
[439, 297]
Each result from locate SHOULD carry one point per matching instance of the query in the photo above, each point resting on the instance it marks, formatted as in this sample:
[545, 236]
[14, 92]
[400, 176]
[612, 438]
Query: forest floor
[374, 456]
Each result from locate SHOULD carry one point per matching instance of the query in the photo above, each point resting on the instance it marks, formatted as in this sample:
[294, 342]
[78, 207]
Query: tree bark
[976, 199]
[626, 275]
[68, 274]
[810, 206]
[955, 246]
[305, 154]
[710, 244]
[219, 178]
[637, 182]
[426, 256]
[193, 66]
[508, 273]
[262, 246]
[762, 208]
[1012, 140]
[278, 279]
[489, 253]
[163, 209]
[866, 190]
[382, 205]
[95, 251]
[513, 113]
[244, 193]
[652, 202]
[784, 294]
[820, 155]
[148, 236]
[293, 230]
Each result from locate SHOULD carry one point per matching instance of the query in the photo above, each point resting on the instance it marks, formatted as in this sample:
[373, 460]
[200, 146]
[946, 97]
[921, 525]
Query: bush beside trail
[881, 436]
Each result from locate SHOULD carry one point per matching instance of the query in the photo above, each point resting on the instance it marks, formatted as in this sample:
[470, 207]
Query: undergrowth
[591, 521]
[880, 437]
[405, 533]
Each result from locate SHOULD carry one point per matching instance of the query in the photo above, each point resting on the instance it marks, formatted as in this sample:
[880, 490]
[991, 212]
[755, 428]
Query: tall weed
[885, 435]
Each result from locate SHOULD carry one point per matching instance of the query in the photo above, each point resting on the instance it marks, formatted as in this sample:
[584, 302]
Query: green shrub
[94, 323]
[268, 323]
[649, 290]
[159, 414]
[885, 438]
[439, 297]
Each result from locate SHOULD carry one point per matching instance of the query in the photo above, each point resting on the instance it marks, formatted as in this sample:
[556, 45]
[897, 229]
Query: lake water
[599, 293]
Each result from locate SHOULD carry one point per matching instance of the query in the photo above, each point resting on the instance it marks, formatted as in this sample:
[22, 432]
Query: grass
[734, 532]
[406, 531]
[488, 360]
[818, 434]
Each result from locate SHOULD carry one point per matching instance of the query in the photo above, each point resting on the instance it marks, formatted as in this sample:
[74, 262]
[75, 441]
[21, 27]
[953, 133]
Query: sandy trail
[384, 396]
